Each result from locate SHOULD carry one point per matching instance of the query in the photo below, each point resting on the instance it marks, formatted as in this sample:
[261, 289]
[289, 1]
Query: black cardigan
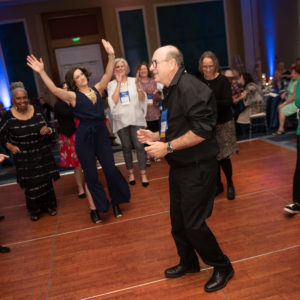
[65, 118]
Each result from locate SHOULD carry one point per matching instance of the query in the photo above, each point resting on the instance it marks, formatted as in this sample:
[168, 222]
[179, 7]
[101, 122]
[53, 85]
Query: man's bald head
[170, 52]
[166, 61]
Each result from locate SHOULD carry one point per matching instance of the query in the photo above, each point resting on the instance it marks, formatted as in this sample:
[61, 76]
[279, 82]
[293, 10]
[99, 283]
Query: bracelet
[50, 130]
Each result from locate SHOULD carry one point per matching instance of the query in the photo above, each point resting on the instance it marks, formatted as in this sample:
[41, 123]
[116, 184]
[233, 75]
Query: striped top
[35, 163]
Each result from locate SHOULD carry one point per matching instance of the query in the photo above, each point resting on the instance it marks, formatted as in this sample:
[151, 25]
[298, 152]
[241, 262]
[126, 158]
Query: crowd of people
[161, 112]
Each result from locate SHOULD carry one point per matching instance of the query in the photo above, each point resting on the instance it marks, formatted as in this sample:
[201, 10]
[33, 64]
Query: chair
[258, 120]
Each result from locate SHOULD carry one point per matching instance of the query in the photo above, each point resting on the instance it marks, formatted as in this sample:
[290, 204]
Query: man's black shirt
[191, 106]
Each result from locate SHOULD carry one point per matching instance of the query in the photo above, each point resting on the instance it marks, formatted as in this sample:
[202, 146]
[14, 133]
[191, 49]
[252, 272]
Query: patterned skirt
[226, 138]
[68, 156]
[40, 197]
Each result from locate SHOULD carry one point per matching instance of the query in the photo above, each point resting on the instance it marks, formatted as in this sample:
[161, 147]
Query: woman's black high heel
[143, 176]
[95, 217]
[131, 179]
[117, 211]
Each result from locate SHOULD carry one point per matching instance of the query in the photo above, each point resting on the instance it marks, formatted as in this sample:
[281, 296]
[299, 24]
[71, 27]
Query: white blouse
[132, 112]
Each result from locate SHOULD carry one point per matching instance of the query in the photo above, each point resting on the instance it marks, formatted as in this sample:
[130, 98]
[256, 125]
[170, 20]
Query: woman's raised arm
[102, 84]
[38, 66]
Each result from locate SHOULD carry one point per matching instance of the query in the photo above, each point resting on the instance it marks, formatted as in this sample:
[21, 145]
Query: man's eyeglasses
[154, 62]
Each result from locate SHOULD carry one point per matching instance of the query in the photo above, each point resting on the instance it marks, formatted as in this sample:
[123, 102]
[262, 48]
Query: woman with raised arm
[92, 139]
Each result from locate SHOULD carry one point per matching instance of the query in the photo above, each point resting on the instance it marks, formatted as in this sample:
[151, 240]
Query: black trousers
[192, 190]
[93, 141]
[296, 185]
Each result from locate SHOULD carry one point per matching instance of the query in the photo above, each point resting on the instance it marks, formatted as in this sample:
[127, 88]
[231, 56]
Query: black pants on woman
[226, 166]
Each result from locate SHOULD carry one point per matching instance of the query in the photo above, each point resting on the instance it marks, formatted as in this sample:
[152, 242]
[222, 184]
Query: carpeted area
[287, 140]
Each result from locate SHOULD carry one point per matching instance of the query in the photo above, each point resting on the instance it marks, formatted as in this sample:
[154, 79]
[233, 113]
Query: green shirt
[290, 88]
[297, 102]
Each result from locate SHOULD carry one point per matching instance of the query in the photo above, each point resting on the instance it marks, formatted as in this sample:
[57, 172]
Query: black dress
[35, 165]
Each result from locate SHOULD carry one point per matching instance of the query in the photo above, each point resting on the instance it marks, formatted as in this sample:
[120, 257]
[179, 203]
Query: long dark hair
[247, 78]
[143, 63]
[70, 80]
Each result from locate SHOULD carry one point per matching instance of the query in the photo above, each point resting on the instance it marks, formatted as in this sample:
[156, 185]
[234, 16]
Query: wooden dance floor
[68, 257]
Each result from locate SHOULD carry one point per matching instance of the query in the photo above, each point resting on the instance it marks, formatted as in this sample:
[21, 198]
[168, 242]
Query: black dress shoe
[180, 270]
[2, 218]
[132, 182]
[34, 217]
[4, 249]
[219, 279]
[117, 211]
[230, 191]
[94, 216]
[52, 211]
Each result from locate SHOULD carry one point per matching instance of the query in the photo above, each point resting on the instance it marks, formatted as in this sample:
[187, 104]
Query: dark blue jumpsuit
[92, 141]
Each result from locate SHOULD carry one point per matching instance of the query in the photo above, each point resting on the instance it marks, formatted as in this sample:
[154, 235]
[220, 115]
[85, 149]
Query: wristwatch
[170, 148]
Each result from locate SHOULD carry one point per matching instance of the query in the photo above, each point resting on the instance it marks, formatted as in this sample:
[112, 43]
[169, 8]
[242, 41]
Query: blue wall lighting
[268, 19]
[4, 85]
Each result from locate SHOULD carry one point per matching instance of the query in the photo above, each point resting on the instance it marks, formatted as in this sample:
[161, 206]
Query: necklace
[92, 96]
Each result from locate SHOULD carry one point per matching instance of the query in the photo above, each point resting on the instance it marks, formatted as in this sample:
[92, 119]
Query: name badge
[150, 99]
[163, 123]
[124, 98]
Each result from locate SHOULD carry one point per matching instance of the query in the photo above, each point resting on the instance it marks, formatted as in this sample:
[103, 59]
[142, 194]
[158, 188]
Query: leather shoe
[117, 211]
[52, 211]
[34, 217]
[219, 279]
[180, 270]
[4, 249]
[230, 191]
[2, 218]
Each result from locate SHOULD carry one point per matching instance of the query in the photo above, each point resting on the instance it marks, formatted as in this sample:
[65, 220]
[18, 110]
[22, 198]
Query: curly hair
[69, 78]
[15, 86]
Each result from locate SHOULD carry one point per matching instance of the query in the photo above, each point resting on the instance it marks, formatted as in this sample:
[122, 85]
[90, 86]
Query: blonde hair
[124, 61]
[16, 86]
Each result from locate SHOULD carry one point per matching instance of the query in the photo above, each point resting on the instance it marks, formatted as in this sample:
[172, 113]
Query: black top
[65, 118]
[191, 106]
[222, 90]
[35, 163]
[86, 111]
